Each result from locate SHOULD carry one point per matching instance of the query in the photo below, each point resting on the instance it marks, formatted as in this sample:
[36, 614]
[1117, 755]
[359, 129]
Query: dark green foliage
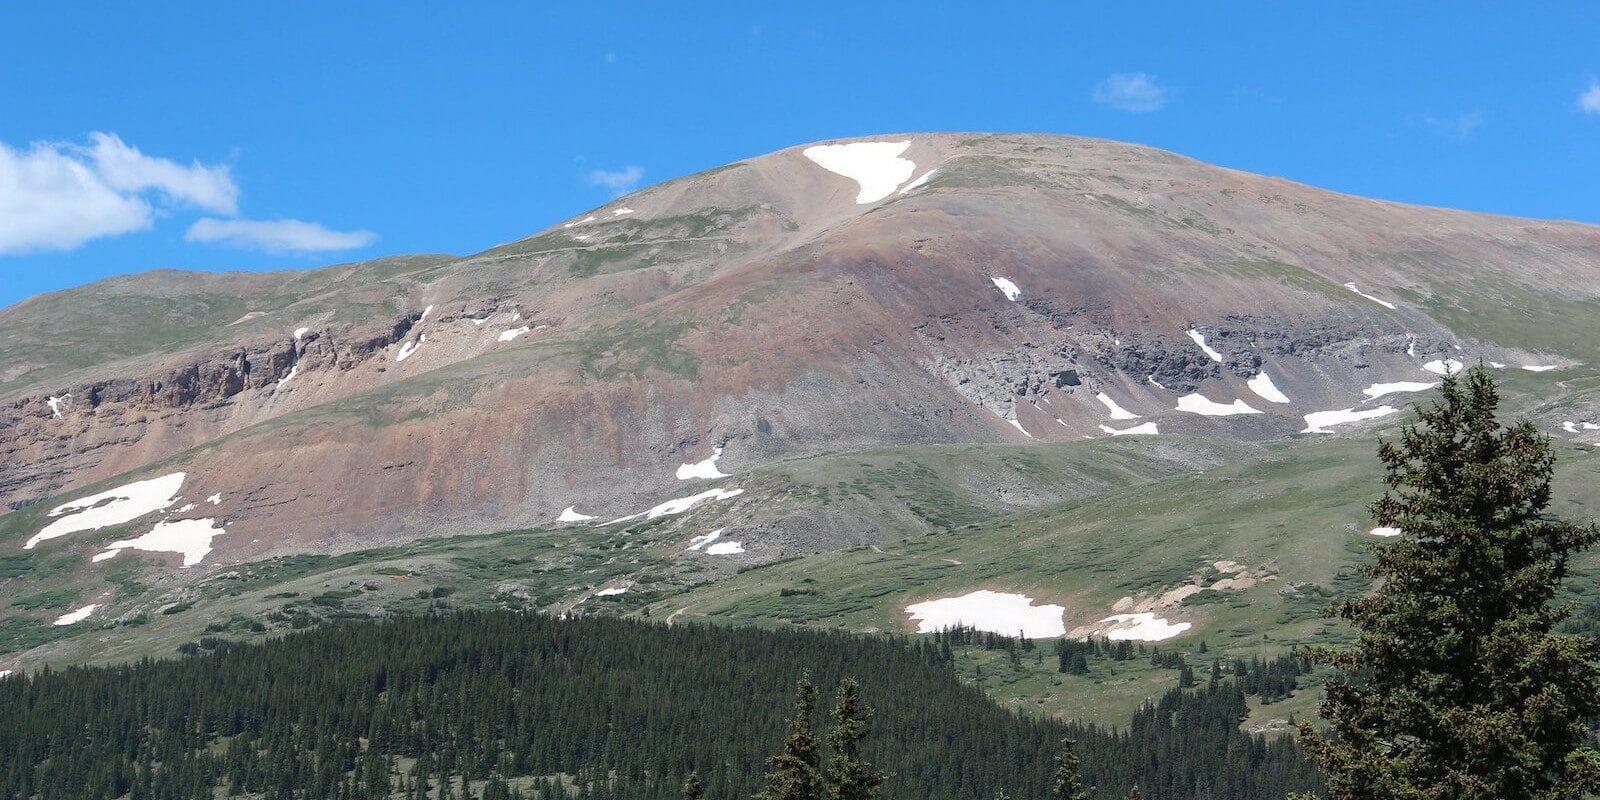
[526, 706]
[796, 773]
[693, 789]
[1457, 687]
[849, 775]
[1068, 783]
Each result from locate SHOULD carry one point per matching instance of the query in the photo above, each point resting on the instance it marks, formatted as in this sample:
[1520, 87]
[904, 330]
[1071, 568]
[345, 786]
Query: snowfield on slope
[1200, 339]
[1117, 411]
[75, 617]
[1200, 404]
[189, 537]
[1384, 303]
[1320, 421]
[1007, 288]
[875, 166]
[111, 507]
[1147, 429]
[705, 469]
[1263, 386]
[1378, 390]
[1142, 627]
[996, 612]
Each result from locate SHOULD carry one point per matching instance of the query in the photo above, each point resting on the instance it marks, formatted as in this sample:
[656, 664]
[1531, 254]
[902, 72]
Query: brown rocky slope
[764, 309]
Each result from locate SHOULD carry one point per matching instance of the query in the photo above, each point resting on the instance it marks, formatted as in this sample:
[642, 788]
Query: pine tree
[796, 773]
[692, 788]
[849, 776]
[1457, 687]
[1069, 779]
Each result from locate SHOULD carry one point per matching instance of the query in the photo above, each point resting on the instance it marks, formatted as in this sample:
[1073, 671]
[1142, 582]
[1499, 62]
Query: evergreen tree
[849, 776]
[692, 788]
[1457, 687]
[796, 773]
[1069, 776]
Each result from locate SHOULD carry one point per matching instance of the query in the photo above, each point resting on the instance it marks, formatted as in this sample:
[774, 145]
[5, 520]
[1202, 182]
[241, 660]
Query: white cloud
[1131, 91]
[276, 236]
[620, 182]
[1589, 99]
[56, 195]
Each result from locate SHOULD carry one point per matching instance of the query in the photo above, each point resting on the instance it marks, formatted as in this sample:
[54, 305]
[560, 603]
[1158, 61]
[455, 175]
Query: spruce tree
[849, 776]
[796, 773]
[692, 788]
[1068, 784]
[1457, 686]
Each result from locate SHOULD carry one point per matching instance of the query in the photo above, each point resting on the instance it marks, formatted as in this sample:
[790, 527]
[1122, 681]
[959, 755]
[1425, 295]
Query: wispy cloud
[58, 195]
[1589, 99]
[276, 236]
[1457, 127]
[620, 182]
[1131, 91]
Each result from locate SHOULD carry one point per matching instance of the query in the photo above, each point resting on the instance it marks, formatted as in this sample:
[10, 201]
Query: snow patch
[1007, 288]
[1570, 428]
[111, 507]
[1200, 339]
[1540, 367]
[875, 166]
[619, 212]
[1384, 531]
[74, 617]
[1117, 412]
[612, 592]
[1147, 429]
[55, 404]
[293, 371]
[1145, 627]
[570, 514]
[186, 508]
[1378, 390]
[410, 347]
[725, 549]
[425, 313]
[921, 179]
[1018, 425]
[1590, 426]
[697, 542]
[6, 673]
[1200, 404]
[506, 336]
[682, 504]
[702, 469]
[1263, 386]
[299, 332]
[1384, 303]
[215, 499]
[1153, 382]
[996, 612]
[190, 537]
[1320, 421]
[1443, 366]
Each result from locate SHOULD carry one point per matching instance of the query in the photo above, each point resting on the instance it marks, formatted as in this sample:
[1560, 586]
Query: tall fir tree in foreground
[796, 773]
[1457, 688]
[850, 776]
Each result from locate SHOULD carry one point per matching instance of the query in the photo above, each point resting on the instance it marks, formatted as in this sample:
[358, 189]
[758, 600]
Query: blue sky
[291, 135]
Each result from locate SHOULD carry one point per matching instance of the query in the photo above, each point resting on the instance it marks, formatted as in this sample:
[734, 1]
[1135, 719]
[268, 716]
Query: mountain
[832, 346]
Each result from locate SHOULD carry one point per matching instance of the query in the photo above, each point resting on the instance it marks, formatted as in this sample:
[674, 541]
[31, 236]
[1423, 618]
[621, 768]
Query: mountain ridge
[1006, 290]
